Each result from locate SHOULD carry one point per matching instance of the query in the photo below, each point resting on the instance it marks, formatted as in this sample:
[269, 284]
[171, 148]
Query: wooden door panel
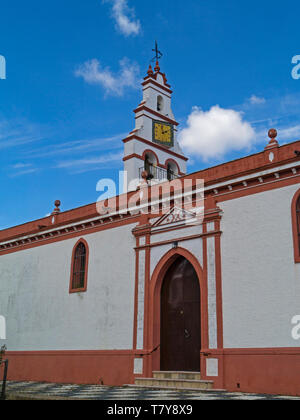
[180, 318]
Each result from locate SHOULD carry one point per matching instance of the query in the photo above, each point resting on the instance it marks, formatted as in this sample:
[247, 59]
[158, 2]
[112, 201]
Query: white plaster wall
[261, 282]
[132, 167]
[194, 246]
[177, 233]
[42, 315]
[150, 95]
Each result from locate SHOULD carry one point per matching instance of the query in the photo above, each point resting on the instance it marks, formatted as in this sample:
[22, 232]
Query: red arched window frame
[79, 267]
[296, 225]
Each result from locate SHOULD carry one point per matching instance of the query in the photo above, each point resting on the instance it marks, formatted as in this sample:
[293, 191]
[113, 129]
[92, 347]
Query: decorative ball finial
[157, 68]
[57, 204]
[273, 141]
[272, 134]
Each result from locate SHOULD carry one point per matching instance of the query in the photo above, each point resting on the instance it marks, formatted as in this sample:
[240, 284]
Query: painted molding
[84, 288]
[296, 227]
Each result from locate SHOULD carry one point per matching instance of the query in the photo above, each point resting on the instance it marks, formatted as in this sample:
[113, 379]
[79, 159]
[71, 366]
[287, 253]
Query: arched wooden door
[180, 318]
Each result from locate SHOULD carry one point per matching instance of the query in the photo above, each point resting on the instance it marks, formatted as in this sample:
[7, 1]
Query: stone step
[170, 388]
[174, 383]
[178, 375]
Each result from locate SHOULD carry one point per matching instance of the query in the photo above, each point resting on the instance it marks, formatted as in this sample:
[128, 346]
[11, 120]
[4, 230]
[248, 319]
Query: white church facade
[112, 298]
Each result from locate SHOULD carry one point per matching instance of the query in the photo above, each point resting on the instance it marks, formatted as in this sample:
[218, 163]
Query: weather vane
[158, 54]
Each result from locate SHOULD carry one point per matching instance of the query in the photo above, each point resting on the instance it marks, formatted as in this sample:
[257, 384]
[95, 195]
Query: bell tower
[152, 146]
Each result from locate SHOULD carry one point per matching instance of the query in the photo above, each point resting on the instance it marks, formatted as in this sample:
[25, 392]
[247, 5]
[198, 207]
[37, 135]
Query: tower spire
[158, 54]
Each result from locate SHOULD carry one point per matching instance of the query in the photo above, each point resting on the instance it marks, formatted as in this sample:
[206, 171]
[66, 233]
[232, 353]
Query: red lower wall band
[76, 367]
[265, 371]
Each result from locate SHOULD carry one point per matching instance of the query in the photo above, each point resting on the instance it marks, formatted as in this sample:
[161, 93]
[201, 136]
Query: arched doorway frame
[154, 325]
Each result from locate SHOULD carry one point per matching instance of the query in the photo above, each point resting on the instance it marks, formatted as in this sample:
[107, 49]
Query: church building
[120, 297]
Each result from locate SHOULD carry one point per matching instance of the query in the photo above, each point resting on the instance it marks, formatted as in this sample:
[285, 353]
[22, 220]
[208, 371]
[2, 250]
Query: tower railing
[158, 174]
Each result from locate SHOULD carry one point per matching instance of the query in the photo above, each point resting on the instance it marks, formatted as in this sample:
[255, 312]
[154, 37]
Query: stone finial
[57, 204]
[272, 134]
[150, 71]
[273, 138]
[157, 68]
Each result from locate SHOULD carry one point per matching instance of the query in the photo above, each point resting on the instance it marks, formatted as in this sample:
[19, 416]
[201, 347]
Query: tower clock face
[163, 133]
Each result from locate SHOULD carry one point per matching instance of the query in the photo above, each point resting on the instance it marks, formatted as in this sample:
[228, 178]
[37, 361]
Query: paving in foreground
[36, 390]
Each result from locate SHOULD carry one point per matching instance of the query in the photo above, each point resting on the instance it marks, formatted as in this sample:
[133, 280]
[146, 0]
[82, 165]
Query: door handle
[186, 334]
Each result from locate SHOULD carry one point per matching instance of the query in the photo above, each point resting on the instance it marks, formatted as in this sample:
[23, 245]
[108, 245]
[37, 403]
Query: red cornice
[245, 166]
[157, 146]
[150, 80]
[157, 114]
[227, 173]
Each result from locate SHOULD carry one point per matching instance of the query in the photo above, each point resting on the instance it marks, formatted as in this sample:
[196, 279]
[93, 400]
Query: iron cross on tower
[158, 54]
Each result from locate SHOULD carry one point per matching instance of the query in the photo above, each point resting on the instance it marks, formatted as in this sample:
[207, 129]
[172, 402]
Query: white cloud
[17, 132]
[289, 133]
[78, 146]
[124, 16]
[21, 165]
[256, 100]
[212, 134]
[114, 84]
[23, 173]
[91, 164]
[20, 169]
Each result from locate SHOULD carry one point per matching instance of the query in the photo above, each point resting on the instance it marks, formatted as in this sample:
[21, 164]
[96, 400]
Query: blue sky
[63, 116]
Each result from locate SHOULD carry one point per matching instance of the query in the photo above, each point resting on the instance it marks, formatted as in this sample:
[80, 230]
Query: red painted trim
[222, 173]
[26, 229]
[76, 234]
[157, 114]
[84, 288]
[247, 165]
[132, 156]
[295, 228]
[157, 146]
[156, 90]
[175, 163]
[259, 370]
[179, 239]
[151, 81]
[256, 351]
[257, 188]
[153, 153]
